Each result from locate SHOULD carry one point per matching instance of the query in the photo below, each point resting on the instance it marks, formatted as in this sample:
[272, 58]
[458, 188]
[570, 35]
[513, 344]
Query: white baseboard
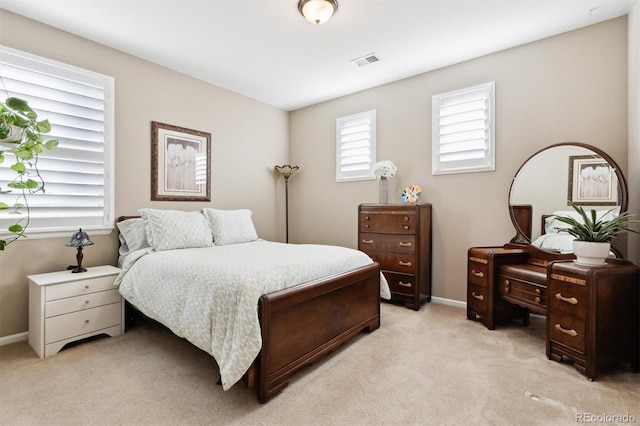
[20, 337]
[450, 302]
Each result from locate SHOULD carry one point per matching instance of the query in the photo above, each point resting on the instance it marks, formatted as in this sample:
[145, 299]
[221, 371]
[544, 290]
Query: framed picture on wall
[180, 160]
[592, 181]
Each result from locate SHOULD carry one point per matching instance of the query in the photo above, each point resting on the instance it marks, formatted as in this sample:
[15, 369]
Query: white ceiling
[266, 50]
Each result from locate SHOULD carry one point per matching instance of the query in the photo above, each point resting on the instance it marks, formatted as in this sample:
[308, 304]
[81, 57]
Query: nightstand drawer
[523, 290]
[392, 243]
[567, 330]
[82, 322]
[400, 283]
[78, 288]
[79, 303]
[478, 273]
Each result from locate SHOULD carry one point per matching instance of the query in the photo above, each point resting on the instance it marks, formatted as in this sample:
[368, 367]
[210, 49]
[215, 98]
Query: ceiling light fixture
[317, 11]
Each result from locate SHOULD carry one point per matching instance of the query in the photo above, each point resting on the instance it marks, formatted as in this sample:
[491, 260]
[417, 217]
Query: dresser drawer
[568, 299]
[78, 288]
[567, 330]
[74, 324]
[529, 292]
[401, 283]
[388, 223]
[78, 303]
[478, 297]
[403, 263]
[478, 273]
[392, 243]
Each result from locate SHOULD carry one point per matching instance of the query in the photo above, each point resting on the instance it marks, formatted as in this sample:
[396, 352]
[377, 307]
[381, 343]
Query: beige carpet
[432, 367]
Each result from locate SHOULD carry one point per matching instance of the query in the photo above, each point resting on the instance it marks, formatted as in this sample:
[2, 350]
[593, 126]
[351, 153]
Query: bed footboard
[301, 324]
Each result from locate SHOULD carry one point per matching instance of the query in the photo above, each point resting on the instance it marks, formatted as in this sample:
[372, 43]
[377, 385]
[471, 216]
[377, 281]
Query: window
[463, 130]
[355, 146]
[78, 174]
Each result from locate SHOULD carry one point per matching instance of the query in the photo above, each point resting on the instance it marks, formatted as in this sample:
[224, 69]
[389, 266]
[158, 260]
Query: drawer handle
[507, 289]
[366, 218]
[478, 274]
[571, 332]
[402, 244]
[401, 263]
[406, 227]
[537, 299]
[406, 218]
[367, 241]
[477, 296]
[366, 226]
[571, 300]
[404, 284]
[507, 282]
[537, 291]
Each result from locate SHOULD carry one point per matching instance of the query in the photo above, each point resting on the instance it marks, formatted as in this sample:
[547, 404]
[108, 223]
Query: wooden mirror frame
[521, 215]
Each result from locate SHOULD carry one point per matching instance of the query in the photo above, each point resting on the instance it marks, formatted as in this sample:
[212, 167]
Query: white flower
[384, 169]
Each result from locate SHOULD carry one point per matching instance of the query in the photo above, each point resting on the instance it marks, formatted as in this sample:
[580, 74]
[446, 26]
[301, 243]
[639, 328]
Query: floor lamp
[286, 171]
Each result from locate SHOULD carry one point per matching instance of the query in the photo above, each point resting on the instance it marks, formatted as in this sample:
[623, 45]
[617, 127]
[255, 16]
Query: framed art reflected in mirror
[180, 160]
[592, 181]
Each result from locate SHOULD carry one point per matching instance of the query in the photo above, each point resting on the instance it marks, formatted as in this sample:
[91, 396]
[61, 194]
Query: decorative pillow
[133, 236]
[173, 229]
[231, 226]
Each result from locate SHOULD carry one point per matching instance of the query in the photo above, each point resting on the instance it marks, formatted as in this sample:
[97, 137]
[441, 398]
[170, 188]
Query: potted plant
[21, 140]
[593, 233]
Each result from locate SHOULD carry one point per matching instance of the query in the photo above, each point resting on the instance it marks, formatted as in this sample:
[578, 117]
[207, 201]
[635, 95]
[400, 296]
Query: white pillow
[231, 226]
[173, 229]
[133, 236]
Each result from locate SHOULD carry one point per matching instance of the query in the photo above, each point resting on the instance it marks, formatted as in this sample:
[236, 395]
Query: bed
[262, 309]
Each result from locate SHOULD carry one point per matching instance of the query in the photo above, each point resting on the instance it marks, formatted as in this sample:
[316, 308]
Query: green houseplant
[21, 140]
[593, 233]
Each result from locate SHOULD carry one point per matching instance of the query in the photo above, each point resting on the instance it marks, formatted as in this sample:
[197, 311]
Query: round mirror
[567, 171]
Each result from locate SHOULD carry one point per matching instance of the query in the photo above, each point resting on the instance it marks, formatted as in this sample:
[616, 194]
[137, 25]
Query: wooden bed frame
[303, 323]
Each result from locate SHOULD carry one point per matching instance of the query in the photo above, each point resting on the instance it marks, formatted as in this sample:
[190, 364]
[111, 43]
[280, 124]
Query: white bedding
[210, 295]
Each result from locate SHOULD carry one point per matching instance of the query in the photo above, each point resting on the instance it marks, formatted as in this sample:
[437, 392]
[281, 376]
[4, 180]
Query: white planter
[13, 139]
[591, 254]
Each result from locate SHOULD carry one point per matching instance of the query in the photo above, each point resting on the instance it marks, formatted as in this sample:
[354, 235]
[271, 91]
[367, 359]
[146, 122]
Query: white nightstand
[65, 307]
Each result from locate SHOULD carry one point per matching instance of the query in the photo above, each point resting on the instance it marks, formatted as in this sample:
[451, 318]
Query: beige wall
[248, 139]
[634, 124]
[572, 87]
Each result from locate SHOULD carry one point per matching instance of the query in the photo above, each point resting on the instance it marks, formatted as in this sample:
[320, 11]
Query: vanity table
[592, 312]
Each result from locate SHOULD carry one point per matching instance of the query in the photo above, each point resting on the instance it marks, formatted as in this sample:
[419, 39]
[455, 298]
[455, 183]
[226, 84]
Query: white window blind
[355, 146]
[78, 174]
[463, 130]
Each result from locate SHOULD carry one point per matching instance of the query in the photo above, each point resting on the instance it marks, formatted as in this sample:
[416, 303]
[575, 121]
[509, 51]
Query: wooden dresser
[592, 315]
[398, 236]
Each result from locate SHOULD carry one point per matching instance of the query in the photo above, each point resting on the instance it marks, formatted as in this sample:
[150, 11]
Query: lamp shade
[287, 170]
[80, 239]
[317, 11]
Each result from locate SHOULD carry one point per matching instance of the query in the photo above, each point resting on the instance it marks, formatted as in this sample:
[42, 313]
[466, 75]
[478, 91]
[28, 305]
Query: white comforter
[210, 295]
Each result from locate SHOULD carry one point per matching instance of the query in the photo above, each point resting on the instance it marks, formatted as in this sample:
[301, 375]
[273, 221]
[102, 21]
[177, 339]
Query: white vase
[13, 138]
[589, 253]
[383, 191]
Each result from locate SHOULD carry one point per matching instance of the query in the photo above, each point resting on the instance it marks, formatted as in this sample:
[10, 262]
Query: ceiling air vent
[366, 60]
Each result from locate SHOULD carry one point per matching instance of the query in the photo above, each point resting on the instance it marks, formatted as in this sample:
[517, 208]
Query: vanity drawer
[77, 323]
[392, 243]
[78, 288]
[79, 303]
[478, 273]
[404, 223]
[403, 263]
[568, 330]
[568, 298]
[526, 291]
[401, 283]
[478, 297]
